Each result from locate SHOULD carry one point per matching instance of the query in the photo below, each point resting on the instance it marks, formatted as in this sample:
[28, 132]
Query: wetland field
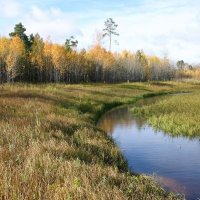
[51, 147]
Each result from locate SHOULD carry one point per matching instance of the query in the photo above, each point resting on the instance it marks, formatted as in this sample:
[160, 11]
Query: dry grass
[50, 147]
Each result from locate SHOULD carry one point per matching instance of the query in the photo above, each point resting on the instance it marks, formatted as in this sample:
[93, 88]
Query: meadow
[176, 115]
[51, 148]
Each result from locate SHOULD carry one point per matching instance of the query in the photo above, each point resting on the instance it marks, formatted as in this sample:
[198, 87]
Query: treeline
[187, 71]
[31, 59]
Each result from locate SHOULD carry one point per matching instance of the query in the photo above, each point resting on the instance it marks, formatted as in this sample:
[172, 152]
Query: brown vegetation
[50, 147]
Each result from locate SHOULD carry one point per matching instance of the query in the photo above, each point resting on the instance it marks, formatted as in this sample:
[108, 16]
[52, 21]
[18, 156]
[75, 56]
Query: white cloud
[51, 22]
[165, 27]
[9, 8]
[156, 26]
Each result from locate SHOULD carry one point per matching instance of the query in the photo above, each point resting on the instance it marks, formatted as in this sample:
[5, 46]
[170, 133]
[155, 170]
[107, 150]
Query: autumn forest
[32, 59]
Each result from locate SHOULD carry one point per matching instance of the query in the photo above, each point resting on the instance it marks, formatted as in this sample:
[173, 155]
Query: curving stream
[174, 162]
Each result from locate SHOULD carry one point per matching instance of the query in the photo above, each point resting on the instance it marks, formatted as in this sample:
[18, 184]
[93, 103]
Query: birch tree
[14, 59]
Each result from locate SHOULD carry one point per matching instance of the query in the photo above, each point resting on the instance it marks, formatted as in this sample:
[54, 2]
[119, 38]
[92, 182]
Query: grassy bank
[176, 115]
[50, 147]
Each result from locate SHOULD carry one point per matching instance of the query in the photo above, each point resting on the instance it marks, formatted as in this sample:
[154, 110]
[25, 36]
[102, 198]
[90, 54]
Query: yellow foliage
[37, 52]
[127, 54]
[16, 51]
[4, 46]
[101, 56]
[195, 73]
[58, 53]
[47, 48]
[154, 60]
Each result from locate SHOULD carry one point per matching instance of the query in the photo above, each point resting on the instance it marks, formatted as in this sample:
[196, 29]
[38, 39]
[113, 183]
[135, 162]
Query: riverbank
[177, 116]
[51, 148]
[154, 152]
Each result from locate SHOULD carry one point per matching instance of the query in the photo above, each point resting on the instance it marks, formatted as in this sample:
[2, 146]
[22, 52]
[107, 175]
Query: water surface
[175, 162]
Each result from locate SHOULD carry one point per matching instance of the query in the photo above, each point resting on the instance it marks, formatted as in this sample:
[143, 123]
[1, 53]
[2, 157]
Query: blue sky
[170, 27]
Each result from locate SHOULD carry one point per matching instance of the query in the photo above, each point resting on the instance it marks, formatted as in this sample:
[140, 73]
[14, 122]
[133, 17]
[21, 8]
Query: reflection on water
[171, 184]
[119, 116]
[174, 162]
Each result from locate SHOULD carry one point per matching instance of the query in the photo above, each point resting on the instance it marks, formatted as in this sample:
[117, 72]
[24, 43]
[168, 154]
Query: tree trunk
[110, 42]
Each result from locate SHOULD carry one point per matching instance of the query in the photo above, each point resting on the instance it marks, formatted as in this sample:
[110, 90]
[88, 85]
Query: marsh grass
[50, 147]
[176, 115]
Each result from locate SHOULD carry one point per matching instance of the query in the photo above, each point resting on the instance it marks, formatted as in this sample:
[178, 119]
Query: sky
[159, 27]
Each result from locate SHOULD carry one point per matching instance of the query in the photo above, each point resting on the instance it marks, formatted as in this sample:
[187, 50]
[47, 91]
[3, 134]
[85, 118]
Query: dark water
[174, 162]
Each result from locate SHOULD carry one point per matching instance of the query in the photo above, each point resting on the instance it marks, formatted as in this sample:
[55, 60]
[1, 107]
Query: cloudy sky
[160, 27]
